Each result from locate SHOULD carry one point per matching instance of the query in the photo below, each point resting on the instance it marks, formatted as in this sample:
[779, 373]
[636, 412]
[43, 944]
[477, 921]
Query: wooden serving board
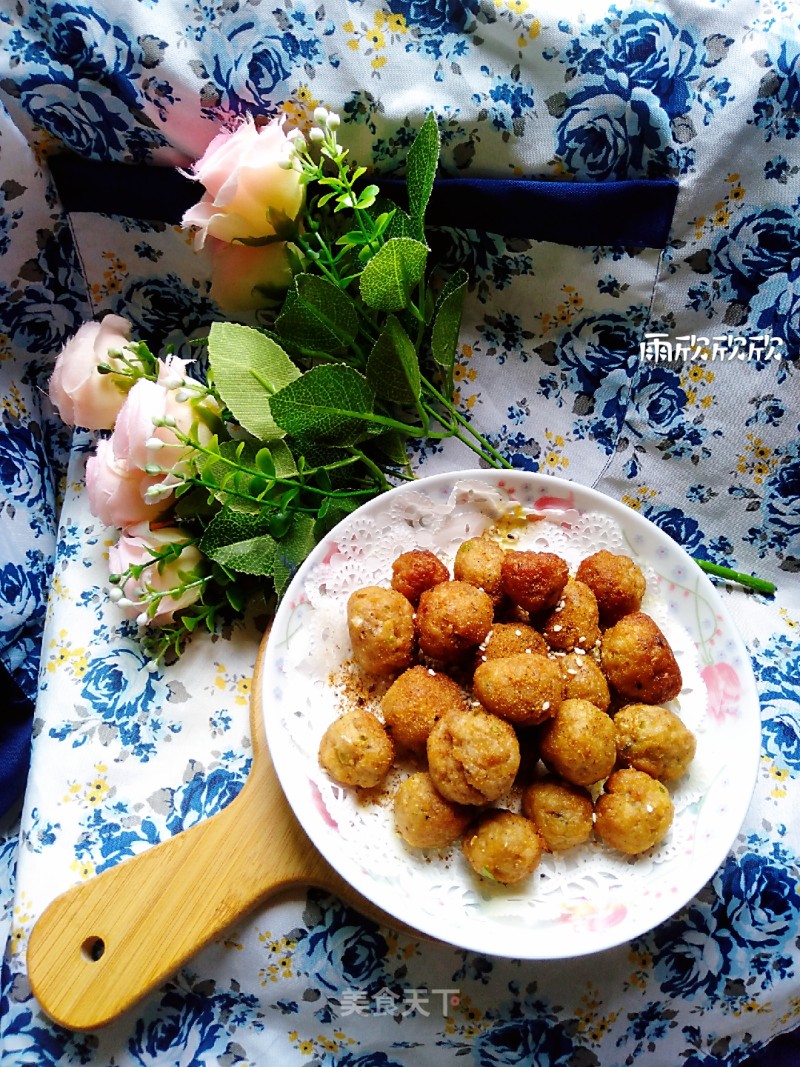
[104, 944]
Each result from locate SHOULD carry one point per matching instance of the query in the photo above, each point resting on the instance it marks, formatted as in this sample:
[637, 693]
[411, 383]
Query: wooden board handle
[104, 944]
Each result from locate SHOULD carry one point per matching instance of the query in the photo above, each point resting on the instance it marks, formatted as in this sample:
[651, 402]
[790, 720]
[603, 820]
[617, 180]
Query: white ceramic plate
[589, 898]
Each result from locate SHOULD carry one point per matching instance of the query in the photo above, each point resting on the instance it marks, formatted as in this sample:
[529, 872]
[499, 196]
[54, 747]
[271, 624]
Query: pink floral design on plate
[724, 691]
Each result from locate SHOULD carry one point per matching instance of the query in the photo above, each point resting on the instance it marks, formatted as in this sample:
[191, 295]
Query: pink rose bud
[82, 395]
[178, 580]
[148, 405]
[117, 494]
[247, 189]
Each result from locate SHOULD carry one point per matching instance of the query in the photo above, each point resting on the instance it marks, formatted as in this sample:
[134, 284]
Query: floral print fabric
[550, 367]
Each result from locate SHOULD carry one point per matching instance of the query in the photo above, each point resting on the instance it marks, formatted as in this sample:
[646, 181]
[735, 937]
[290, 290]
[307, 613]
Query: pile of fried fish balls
[530, 702]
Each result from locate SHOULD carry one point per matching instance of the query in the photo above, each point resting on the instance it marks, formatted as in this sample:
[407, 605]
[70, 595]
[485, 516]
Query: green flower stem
[482, 447]
[760, 585]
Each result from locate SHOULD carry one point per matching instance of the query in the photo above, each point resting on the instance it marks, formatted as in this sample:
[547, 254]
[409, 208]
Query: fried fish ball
[504, 847]
[423, 817]
[575, 621]
[560, 811]
[616, 581]
[634, 812]
[452, 618]
[356, 750]
[579, 744]
[534, 580]
[473, 757]
[638, 661]
[381, 626]
[508, 638]
[583, 679]
[653, 739]
[523, 689]
[415, 701]
[417, 570]
[479, 561]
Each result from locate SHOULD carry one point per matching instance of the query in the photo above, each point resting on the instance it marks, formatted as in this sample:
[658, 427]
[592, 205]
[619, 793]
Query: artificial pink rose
[117, 494]
[137, 440]
[245, 278]
[163, 587]
[82, 395]
[247, 190]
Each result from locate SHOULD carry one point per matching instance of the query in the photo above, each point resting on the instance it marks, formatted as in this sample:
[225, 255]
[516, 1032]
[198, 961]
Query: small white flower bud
[153, 444]
[333, 120]
[173, 381]
[141, 620]
[115, 594]
[316, 135]
[321, 116]
[153, 469]
[183, 395]
[123, 602]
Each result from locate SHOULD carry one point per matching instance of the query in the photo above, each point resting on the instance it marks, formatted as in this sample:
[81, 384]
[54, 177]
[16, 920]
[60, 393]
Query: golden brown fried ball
[638, 661]
[524, 689]
[414, 703]
[415, 571]
[381, 626]
[574, 621]
[560, 811]
[503, 847]
[653, 739]
[452, 618]
[578, 743]
[422, 816]
[479, 561]
[508, 638]
[616, 581]
[473, 757]
[534, 580]
[634, 812]
[583, 679]
[356, 750]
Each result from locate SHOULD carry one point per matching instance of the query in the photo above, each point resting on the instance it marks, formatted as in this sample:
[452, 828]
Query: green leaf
[447, 323]
[292, 550]
[393, 365]
[226, 481]
[401, 225]
[317, 316]
[391, 445]
[423, 159]
[392, 274]
[329, 404]
[246, 367]
[333, 510]
[241, 542]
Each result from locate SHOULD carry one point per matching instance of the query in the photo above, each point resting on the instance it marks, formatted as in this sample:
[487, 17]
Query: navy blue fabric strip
[15, 740]
[634, 213]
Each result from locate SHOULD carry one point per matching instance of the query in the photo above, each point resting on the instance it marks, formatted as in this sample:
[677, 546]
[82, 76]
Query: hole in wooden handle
[93, 948]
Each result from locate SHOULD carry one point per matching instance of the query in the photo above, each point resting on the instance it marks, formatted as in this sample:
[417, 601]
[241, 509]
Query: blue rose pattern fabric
[549, 367]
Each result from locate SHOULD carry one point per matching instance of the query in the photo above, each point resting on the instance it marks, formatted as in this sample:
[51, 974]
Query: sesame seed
[431, 672]
[649, 808]
[518, 633]
[571, 670]
[557, 629]
[546, 705]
